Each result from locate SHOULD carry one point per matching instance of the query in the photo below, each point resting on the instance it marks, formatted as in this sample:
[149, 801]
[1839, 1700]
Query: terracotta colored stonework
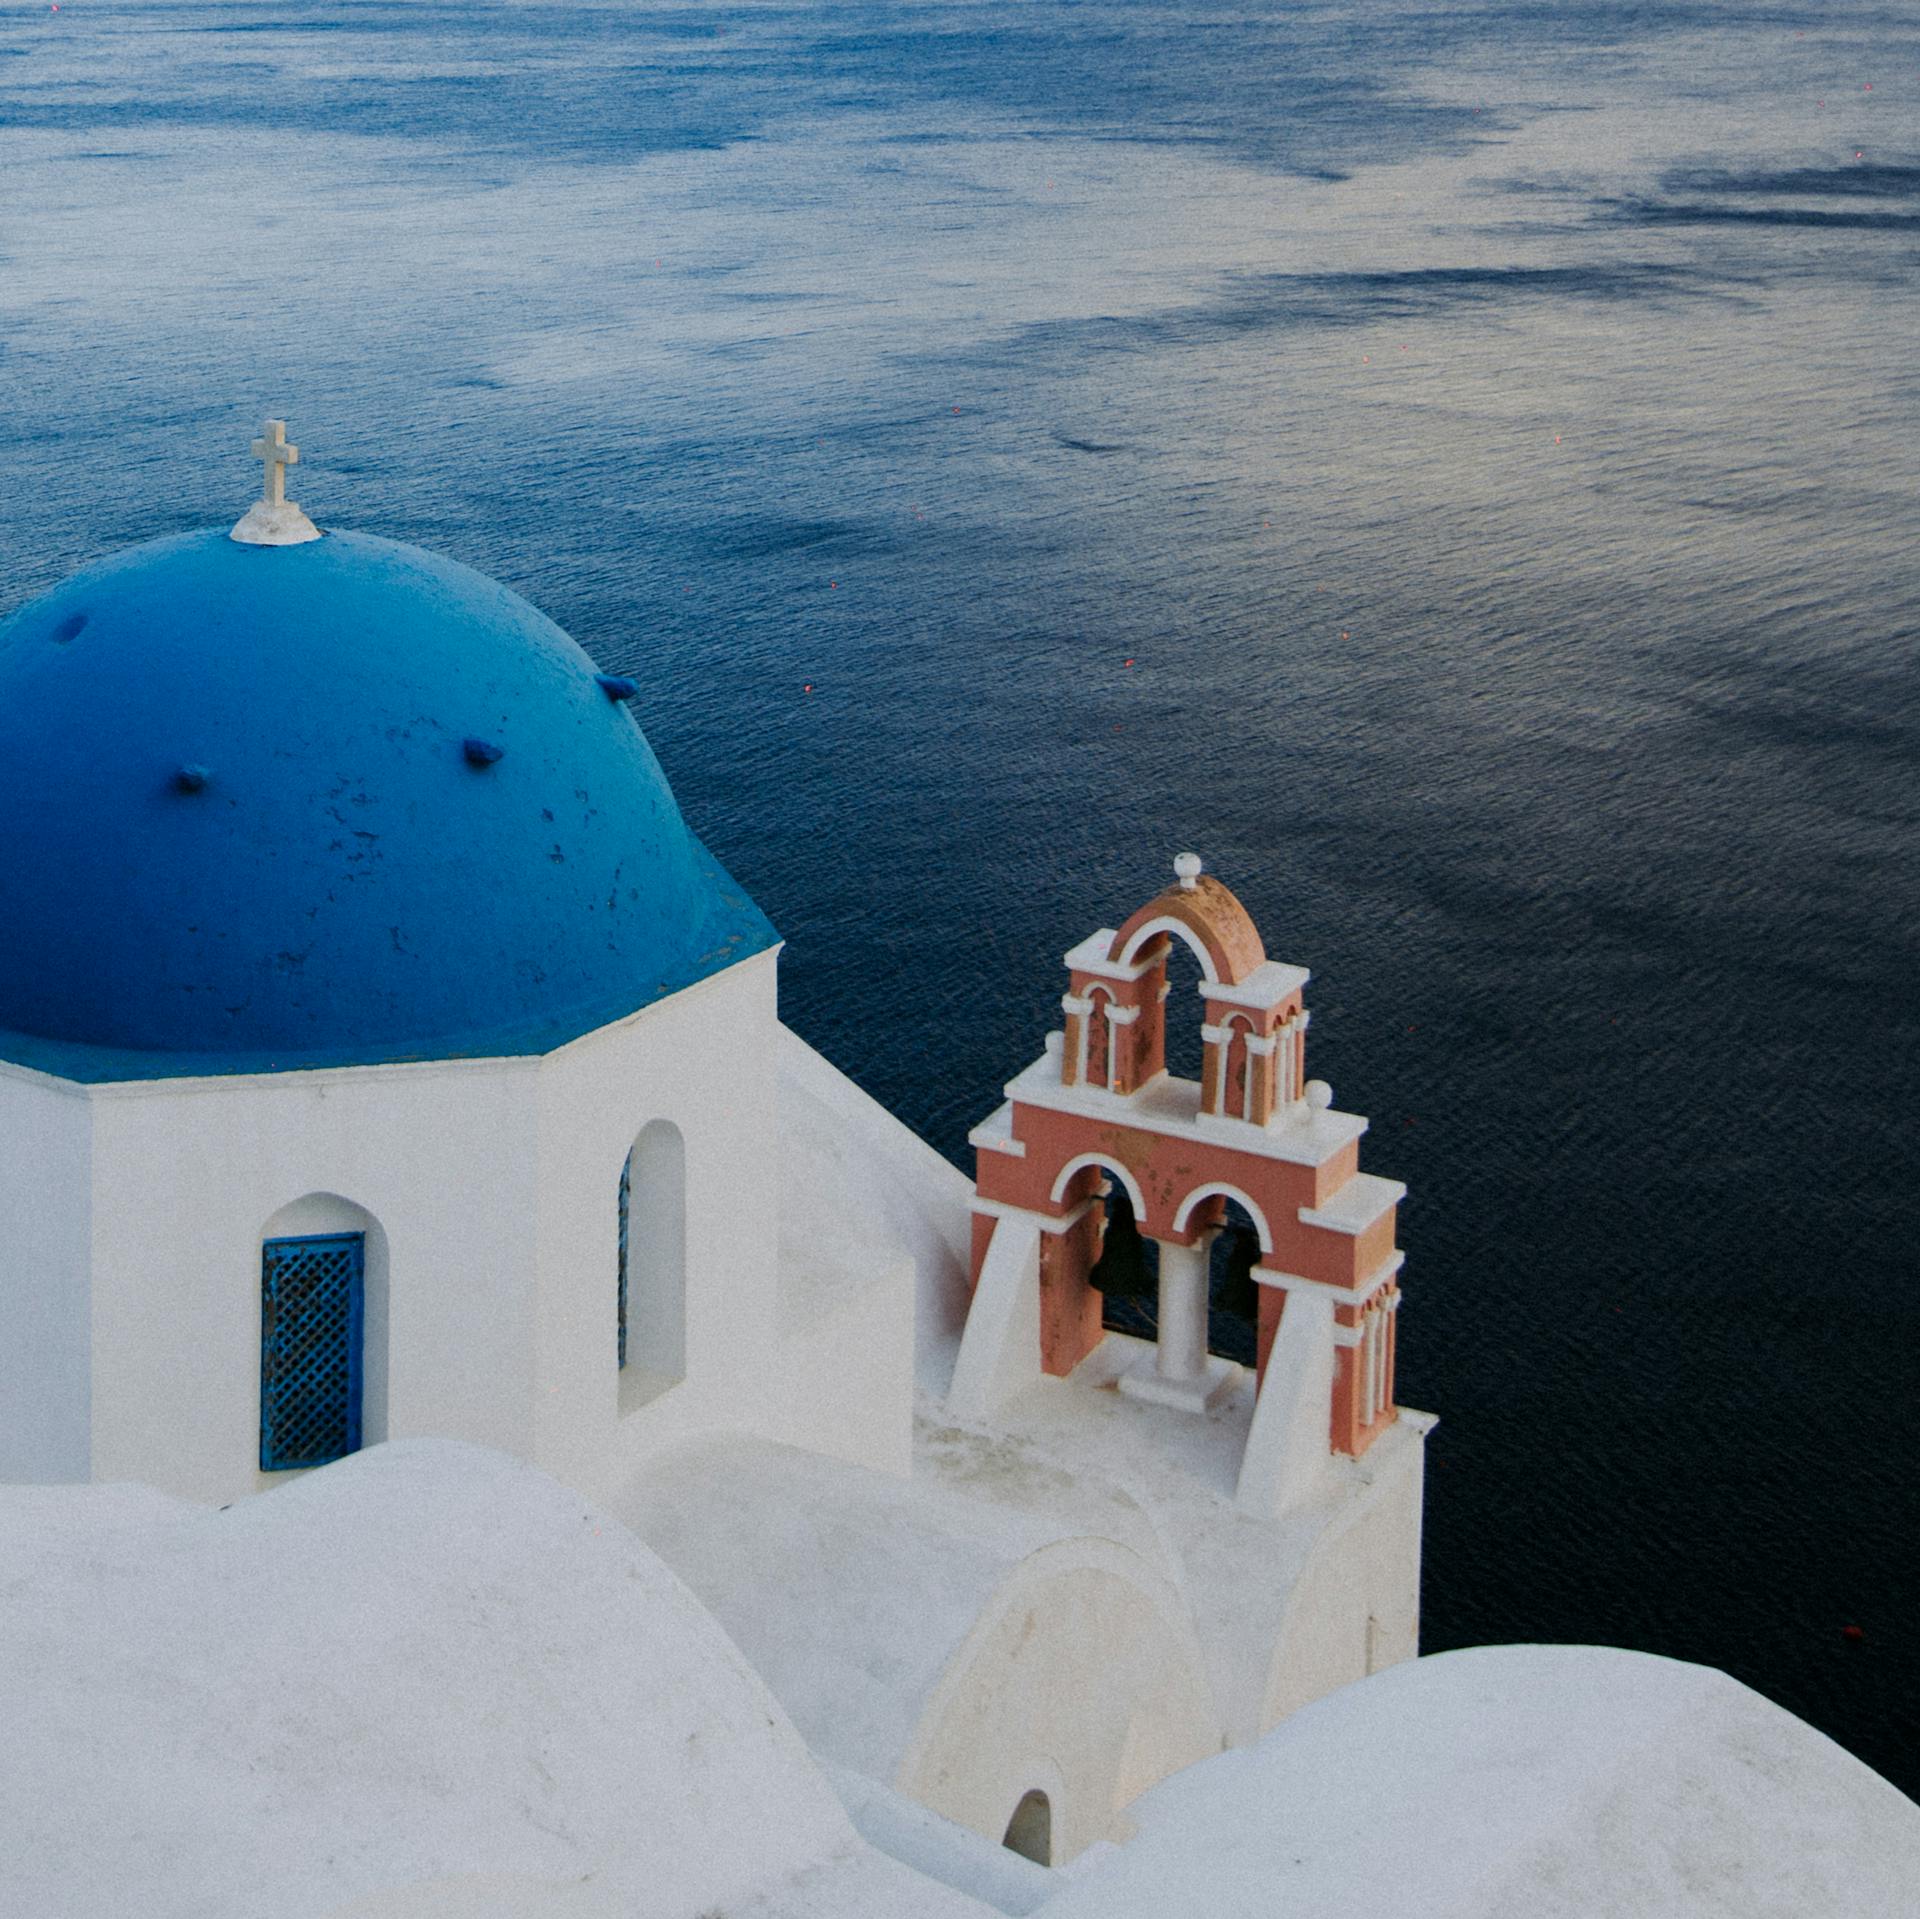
[1069, 1308]
[1180, 1172]
[1220, 925]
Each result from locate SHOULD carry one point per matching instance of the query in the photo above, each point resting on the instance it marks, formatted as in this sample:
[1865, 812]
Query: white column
[1180, 1372]
[1182, 1357]
[1382, 1387]
[1368, 1372]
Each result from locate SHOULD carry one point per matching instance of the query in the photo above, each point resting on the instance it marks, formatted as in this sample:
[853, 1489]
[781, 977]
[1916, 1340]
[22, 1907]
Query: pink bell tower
[1099, 1107]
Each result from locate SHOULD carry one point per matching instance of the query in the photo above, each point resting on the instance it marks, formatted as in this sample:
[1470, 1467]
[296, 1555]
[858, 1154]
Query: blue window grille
[312, 1302]
[626, 1192]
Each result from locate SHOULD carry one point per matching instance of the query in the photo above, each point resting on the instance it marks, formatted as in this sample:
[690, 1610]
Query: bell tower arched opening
[1182, 1011]
[1233, 1294]
[1216, 1209]
[1126, 1269]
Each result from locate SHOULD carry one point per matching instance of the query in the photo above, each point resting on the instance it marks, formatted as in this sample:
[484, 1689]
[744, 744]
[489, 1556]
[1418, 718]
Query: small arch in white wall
[316, 1215]
[653, 1265]
[1030, 1830]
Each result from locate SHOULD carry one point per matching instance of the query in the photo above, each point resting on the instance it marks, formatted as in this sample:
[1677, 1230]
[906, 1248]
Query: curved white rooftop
[1521, 1782]
[428, 1679]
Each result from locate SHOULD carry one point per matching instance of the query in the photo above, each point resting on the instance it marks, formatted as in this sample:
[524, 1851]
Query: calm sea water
[1454, 467]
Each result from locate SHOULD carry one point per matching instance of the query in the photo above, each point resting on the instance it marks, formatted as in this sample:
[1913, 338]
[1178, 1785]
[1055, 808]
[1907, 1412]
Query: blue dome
[330, 804]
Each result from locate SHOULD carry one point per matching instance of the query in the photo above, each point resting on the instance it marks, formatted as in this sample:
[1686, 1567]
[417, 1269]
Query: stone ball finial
[1186, 869]
[1319, 1095]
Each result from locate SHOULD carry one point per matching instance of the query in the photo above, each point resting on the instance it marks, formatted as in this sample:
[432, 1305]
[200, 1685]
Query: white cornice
[1356, 1296]
[1360, 1203]
[1090, 956]
[1300, 1137]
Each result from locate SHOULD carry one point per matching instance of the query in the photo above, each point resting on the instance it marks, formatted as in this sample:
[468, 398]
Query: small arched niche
[1097, 1069]
[325, 1313]
[652, 1306]
[1030, 1830]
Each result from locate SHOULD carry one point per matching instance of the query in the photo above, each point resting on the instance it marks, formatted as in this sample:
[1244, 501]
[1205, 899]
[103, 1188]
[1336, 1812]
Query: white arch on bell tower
[1165, 923]
[1107, 1164]
[1219, 1189]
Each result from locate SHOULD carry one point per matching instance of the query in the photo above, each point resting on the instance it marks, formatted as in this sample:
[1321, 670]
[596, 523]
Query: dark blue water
[1490, 432]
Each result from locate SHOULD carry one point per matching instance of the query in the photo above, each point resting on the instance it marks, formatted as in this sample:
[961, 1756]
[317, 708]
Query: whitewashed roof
[426, 1679]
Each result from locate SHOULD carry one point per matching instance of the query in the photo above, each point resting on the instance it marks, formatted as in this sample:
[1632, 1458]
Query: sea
[1456, 468]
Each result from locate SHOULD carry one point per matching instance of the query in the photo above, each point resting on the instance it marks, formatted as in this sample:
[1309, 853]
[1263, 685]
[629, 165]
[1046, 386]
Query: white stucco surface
[922, 1200]
[1280, 1604]
[998, 1356]
[941, 1849]
[845, 1306]
[132, 1216]
[961, 1650]
[967, 1594]
[46, 1278]
[821, 1240]
[427, 1679]
[1521, 1782]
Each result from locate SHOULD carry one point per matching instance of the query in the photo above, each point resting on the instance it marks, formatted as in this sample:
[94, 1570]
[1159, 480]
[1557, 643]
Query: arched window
[652, 1330]
[323, 1333]
[1030, 1830]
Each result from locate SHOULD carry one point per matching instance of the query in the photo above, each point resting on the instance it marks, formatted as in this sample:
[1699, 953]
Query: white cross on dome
[273, 448]
[273, 519]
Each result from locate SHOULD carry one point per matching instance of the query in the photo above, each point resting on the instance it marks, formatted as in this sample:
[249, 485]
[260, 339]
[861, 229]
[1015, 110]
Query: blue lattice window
[312, 1301]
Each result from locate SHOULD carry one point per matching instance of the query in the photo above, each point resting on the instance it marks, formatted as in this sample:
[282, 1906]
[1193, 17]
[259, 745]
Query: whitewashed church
[385, 1063]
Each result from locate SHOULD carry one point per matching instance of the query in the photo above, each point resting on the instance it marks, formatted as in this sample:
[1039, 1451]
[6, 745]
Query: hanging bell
[1121, 1271]
[1239, 1293]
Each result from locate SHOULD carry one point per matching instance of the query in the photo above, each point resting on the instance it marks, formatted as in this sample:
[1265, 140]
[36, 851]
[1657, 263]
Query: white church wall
[191, 1175]
[1521, 1780]
[487, 1192]
[45, 1259]
[843, 1385]
[925, 1201]
[1082, 1680]
[656, 1264]
[848, 1274]
[1289, 1450]
[1355, 1607]
[703, 1062]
